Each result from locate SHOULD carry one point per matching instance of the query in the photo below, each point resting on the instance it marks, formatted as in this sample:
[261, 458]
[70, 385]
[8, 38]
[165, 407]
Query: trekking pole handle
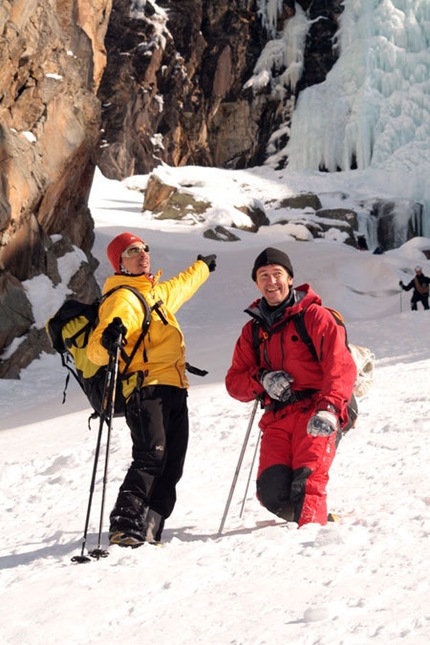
[116, 345]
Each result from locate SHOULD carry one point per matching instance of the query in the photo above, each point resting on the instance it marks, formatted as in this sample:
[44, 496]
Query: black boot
[127, 520]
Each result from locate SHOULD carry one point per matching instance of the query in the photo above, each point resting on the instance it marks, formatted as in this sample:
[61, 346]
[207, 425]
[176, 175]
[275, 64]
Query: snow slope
[364, 579]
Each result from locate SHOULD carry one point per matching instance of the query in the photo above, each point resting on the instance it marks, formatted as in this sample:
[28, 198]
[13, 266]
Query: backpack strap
[146, 320]
[299, 322]
[257, 339]
[86, 330]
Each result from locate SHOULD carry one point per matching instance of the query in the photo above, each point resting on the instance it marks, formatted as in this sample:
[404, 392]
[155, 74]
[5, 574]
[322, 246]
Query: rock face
[52, 58]
[172, 90]
[174, 87]
[320, 51]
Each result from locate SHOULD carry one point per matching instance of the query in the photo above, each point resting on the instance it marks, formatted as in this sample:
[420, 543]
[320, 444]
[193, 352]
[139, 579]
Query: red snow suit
[293, 467]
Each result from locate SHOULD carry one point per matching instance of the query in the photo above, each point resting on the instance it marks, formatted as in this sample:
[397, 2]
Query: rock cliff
[175, 87]
[52, 57]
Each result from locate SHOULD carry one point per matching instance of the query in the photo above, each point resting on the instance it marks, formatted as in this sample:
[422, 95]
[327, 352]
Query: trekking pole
[108, 413]
[250, 473]
[83, 558]
[239, 464]
[400, 301]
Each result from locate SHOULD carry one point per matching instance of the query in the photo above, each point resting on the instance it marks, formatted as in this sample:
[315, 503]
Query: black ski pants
[419, 297]
[157, 416]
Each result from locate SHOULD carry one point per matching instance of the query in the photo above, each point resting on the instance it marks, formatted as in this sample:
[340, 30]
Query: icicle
[269, 11]
[284, 52]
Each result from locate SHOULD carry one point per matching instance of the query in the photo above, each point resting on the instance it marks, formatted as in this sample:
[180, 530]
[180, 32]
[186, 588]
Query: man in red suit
[305, 397]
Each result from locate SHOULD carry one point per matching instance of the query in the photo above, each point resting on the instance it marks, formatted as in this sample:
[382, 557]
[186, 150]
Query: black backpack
[69, 331]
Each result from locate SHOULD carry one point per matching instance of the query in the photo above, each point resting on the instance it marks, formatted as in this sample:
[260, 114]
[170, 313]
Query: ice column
[373, 109]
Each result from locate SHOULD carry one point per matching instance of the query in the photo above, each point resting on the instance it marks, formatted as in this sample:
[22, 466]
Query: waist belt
[300, 395]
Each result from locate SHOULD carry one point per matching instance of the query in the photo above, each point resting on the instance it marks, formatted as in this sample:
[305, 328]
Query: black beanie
[272, 256]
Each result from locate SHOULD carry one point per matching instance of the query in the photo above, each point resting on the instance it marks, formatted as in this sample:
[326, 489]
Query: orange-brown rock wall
[52, 58]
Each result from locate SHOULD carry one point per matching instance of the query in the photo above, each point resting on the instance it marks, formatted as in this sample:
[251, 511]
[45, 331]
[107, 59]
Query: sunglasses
[135, 251]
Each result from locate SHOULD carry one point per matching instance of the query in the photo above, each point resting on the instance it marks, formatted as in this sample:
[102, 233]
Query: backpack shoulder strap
[299, 322]
[146, 319]
[256, 340]
[146, 307]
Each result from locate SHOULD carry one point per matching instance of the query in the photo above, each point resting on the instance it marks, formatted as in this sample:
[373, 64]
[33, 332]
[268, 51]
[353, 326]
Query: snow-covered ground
[364, 579]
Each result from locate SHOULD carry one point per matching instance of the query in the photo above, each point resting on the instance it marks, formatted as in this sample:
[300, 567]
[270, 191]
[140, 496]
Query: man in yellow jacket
[156, 390]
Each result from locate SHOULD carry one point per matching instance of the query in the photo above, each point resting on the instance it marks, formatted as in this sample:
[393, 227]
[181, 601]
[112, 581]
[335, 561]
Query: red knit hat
[118, 246]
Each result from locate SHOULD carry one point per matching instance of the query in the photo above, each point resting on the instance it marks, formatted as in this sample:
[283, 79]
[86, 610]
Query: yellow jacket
[161, 356]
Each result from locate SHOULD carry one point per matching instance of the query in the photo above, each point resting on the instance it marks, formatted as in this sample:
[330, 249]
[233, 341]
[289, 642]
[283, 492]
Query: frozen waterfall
[373, 108]
[372, 112]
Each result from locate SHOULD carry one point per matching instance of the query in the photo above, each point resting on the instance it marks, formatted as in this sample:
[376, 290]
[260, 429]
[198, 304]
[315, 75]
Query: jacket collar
[141, 282]
[303, 296]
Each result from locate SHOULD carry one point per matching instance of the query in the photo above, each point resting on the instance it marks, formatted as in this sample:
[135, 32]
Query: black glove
[114, 335]
[401, 284]
[210, 260]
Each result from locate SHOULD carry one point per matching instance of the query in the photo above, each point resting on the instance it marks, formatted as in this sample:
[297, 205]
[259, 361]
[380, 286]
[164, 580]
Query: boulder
[181, 206]
[256, 214]
[221, 234]
[301, 201]
[345, 215]
[157, 193]
[17, 316]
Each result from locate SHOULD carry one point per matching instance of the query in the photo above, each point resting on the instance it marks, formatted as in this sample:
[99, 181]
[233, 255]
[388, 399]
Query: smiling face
[274, 283]
[136, 259]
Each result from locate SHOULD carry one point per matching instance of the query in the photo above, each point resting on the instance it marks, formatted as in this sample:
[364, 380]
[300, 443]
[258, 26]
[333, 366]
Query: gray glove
[323, 424]
[277, 385]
